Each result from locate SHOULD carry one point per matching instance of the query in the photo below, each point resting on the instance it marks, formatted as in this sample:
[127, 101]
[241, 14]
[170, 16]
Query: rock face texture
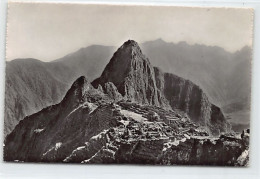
[138, 81]
[112, 91]
[202, 152]
[132, 74]
[186, 96]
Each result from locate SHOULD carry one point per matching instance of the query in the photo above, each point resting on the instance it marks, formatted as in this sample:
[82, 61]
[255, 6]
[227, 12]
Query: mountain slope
[89, 61]
[29, 88]
[57, 126]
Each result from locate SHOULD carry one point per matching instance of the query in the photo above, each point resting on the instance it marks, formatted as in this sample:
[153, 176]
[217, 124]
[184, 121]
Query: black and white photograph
[128, 84]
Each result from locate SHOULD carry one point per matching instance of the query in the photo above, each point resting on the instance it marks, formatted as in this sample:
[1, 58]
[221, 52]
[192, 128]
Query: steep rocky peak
[78, 90]
[131, 73]
[80, 85]
[130, 43]
[127, 58]
[132, 50]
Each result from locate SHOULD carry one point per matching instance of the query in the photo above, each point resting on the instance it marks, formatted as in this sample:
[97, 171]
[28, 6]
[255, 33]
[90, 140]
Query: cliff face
[138, 81]
[186, 96]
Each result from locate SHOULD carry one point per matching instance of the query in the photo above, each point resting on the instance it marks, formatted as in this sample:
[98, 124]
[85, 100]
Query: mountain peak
[130, 46]
[159, 40]
[78, 89]
[80, 82]
[131, 73]
[130, 43]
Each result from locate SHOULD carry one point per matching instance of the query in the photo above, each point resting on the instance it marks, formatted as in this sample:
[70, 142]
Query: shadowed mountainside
[29, 88]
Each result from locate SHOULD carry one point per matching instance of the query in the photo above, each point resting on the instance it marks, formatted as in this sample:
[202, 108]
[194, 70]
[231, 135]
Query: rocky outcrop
[140, 152]
[100, 88]
[195, 151]
[112, 92]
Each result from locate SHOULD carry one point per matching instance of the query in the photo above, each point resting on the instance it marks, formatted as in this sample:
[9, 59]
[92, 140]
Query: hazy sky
[50, 31]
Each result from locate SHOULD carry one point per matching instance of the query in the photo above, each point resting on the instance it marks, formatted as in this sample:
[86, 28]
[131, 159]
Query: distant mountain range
[225, 77]
[132, 113]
